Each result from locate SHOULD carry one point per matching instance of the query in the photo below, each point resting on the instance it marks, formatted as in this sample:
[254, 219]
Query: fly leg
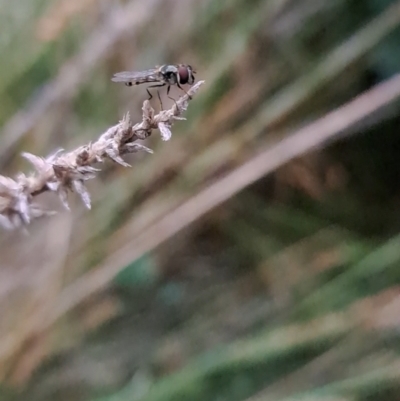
[169, 97]
[159, 98]
[180, 87]
[151, 96]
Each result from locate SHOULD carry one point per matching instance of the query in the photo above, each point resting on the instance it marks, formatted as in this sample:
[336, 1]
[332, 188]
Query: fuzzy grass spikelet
[64, 172]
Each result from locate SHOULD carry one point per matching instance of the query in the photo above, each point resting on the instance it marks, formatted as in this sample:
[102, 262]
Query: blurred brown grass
[180, 283]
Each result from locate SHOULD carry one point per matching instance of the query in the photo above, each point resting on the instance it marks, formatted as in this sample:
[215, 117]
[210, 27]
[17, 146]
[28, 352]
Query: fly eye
[184, 75]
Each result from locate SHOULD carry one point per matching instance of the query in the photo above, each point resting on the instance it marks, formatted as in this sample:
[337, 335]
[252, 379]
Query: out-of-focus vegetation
[288, 290]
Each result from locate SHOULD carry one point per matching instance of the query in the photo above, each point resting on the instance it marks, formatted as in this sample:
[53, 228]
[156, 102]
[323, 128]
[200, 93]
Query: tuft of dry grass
[63, 172]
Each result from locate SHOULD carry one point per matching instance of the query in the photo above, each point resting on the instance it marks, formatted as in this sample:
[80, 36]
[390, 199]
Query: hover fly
[178, 75]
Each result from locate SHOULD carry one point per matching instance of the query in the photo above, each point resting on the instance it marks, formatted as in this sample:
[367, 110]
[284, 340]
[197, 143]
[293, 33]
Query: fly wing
[137, 77]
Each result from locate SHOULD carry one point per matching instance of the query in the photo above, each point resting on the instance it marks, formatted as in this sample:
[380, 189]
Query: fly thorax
[170, 74]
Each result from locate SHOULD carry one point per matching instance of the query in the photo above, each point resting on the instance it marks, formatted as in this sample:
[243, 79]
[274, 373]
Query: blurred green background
[288, 290]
